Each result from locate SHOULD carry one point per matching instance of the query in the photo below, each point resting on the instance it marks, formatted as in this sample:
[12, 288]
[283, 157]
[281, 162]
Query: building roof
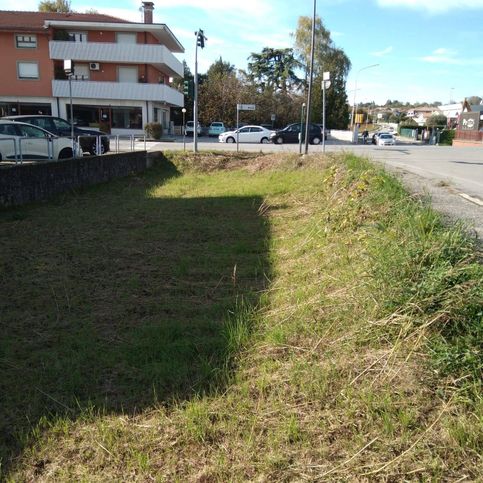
[12, 21]
[34, 21]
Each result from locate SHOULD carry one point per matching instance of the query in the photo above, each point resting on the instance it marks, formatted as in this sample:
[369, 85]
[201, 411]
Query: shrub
[153, 130]
[446, 137]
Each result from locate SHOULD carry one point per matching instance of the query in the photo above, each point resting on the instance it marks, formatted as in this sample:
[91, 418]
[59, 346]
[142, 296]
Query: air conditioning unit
[94, 66]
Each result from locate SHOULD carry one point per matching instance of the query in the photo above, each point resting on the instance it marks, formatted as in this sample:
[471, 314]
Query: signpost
[241, 107]
[325, 85]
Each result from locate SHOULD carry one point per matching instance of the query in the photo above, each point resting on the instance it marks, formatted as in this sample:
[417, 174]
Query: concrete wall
[26, 183]
[341, 135]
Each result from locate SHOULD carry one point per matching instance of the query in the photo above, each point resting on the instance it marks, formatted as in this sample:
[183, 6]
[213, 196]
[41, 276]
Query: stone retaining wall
[29, 182]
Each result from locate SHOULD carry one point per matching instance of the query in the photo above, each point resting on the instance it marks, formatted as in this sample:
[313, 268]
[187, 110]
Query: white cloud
[433, 6]
[382, 53]
[257, 8]
[450, 57]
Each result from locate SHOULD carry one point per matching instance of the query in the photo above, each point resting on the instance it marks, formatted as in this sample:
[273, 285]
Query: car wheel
[316, 140]
[279, 140]
[230, 140]
[65, 153]
[264, 141]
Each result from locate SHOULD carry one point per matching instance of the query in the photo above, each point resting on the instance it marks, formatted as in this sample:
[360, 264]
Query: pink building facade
[122, 71]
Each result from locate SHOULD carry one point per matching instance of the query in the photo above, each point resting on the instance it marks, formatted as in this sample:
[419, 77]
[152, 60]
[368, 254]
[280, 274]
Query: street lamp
[355, 90]
[301, 127]
[184, 128]
[69, 71]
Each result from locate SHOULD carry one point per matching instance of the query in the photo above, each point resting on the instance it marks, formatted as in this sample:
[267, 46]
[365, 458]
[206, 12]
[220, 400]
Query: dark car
[290, 134]
[61, 127]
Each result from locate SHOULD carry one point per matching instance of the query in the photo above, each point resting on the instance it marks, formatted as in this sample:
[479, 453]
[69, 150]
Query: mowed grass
[232, 319]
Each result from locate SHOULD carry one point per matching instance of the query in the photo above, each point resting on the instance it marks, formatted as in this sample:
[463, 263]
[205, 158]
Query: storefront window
[17, 108]
[127, 118]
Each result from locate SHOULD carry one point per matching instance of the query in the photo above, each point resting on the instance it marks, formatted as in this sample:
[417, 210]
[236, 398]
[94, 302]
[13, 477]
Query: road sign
[245, 107]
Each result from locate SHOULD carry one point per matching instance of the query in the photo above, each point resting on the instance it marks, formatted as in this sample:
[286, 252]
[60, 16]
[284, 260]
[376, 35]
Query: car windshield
[386, 136]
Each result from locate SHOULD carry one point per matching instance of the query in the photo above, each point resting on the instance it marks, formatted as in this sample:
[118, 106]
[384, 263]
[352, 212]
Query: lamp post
[69, 70]
[355, 90]
[184, 128]
[301, 127]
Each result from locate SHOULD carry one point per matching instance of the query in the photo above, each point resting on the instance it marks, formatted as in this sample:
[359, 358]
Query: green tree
[327, 58]
[60, 6]
[219, 93]
[274, 69]
[436, 120]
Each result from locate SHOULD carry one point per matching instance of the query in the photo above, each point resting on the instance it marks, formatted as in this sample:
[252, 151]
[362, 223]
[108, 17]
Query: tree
[219, 93]
[474, 100]
[327, 58]
[274, 69]
[60, 6]
[436, 120]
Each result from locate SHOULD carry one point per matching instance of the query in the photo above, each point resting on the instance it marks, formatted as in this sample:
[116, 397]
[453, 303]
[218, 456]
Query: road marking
[472, 199]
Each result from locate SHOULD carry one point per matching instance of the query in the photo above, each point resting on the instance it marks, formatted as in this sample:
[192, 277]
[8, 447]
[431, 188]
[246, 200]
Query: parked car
[189, 128]
[246, 134]
[32, 142]
[62, 128]
[216, 128]
[385, 139]
[290, 134]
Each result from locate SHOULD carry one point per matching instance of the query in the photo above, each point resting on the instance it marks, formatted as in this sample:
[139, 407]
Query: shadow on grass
[116, 300]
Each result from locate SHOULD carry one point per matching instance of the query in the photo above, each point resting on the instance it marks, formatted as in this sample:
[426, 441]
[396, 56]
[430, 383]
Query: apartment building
[122, 71]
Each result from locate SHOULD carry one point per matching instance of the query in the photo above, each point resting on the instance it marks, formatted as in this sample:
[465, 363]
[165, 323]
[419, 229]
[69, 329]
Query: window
[78, 36]
[31, 132]
[26, 41]
[28, 70]
[8, 130]
[126, 38]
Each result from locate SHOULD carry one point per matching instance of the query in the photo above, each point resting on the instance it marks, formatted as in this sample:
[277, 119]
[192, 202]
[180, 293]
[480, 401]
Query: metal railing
[18, 150]
[117, 144]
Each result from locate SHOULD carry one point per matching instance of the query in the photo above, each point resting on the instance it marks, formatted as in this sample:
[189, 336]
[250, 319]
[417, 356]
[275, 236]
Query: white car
[385, 139]
[246, 134]
[189, 128]
[19, 141]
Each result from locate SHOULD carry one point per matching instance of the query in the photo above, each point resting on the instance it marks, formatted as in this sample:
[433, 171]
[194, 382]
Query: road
[451, 176]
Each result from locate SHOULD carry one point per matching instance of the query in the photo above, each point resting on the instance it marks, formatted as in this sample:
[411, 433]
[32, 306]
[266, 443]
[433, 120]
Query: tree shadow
[115, 299]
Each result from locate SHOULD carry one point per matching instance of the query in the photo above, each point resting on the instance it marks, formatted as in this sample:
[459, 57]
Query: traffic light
[200, 39]
[186, 88]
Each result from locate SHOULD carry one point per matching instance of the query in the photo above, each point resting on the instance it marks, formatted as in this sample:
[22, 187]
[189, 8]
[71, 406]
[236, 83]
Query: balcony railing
[157, 55]
[118, 91]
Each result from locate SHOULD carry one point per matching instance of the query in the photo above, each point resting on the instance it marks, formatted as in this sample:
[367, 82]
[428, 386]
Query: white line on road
[471, 198]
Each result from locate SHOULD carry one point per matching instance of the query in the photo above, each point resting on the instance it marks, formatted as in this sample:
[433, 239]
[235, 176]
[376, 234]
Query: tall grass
[337, 331]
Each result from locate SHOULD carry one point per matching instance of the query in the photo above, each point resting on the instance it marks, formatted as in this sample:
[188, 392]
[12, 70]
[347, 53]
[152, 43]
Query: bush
[446, 137]
[153, 130]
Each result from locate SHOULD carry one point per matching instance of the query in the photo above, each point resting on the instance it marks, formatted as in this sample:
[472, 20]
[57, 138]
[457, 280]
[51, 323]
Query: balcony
[118, 91]
[157, 55]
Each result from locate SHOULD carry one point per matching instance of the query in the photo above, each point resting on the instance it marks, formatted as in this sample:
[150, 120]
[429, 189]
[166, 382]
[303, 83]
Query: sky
[405, 50]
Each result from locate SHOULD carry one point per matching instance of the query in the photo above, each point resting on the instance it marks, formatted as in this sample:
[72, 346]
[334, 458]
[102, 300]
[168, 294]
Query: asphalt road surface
[451, 176]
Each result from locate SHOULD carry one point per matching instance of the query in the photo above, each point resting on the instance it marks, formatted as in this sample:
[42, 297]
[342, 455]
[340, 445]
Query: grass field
[234, 318]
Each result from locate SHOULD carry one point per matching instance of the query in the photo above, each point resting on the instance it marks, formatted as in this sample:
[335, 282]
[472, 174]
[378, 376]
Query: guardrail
[118, 144]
